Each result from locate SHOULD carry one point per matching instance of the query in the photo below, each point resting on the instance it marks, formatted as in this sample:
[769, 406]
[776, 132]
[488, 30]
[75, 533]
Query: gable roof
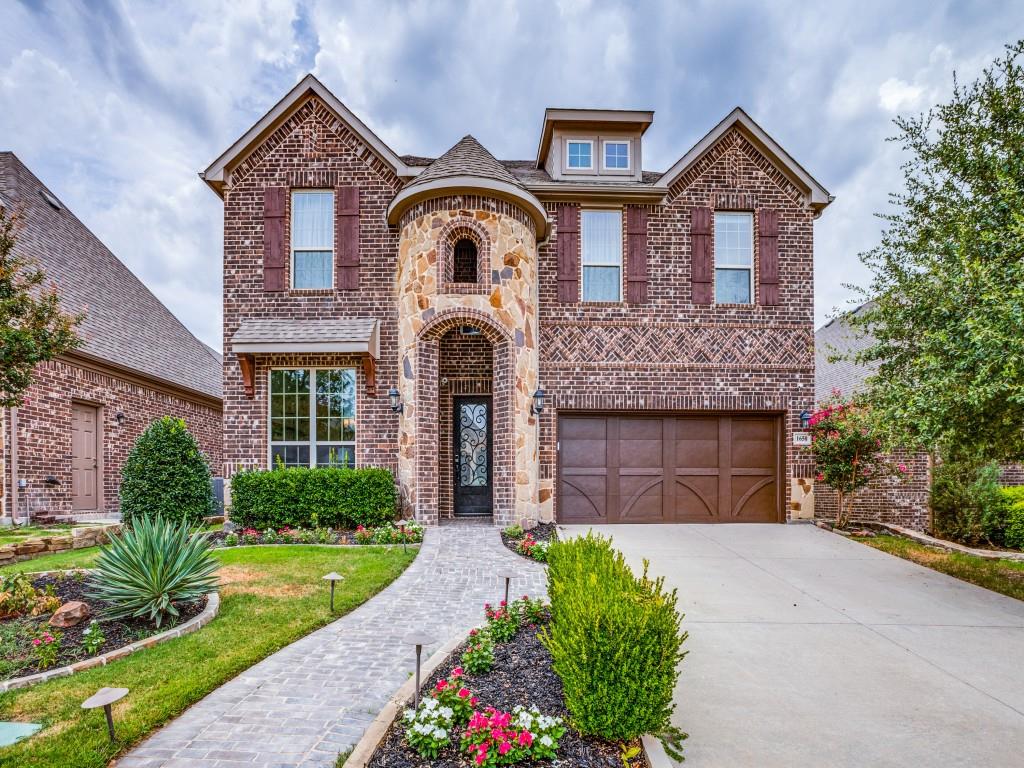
[816, 195]
[125, 324]
[216, 172]
[834, 338]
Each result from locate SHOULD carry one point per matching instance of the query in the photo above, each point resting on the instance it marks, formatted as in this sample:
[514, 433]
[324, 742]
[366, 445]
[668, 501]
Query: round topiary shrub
[166, 475]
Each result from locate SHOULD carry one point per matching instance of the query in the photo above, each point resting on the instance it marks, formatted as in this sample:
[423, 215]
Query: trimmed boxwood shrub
[1013, 534]
[614, 639]
[303, 497]
[166, 475]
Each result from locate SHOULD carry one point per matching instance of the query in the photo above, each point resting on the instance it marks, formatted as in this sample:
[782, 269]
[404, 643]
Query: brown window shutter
[701, 269]
[275, 204]
[568, 253]
[768, 255]
[636, 254]
[346, 237]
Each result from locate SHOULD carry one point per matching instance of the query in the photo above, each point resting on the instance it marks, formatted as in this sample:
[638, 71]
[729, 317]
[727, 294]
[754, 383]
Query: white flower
[440, 733]
[446, 712]
[546, 740]
[410, 714]
[430, 704]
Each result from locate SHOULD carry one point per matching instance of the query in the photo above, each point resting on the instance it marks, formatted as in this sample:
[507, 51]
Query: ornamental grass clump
[615, 641]
[151, 566]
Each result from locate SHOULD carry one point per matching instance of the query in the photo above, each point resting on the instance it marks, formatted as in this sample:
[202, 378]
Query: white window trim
[294, 250]
[312, 442]
[749, 268]
[622, 255]
[578, 168]
[629, 155]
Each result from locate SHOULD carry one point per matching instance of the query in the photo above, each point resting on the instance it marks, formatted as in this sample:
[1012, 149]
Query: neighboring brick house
[568, 337]
[61, 452]
[904, 502]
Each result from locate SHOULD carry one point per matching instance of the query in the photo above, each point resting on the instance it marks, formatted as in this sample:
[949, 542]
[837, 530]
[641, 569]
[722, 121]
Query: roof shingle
[125, 324]
[837, 338]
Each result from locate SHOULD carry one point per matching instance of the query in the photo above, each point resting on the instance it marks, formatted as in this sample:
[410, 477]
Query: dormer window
[616, 155]
[580, 154]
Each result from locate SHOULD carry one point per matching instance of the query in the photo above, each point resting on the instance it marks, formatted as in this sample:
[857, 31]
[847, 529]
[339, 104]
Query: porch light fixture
[397, 406]
[120, 418]
[419, 639]
[334, 578]
[538, 402]
[805, 419]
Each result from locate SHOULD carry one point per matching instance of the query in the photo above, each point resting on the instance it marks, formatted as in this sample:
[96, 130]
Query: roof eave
[216, 173]
[454, 185]
[619, 193]
[817, 197]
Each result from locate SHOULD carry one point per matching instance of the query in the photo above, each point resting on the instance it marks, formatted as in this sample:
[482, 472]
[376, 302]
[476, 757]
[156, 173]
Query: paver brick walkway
[306, 703]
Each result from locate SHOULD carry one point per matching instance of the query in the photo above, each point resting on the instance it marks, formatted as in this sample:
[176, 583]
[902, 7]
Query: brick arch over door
[428, 342]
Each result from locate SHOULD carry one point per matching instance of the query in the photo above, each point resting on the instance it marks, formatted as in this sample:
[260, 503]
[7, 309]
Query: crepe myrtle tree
[848, 452]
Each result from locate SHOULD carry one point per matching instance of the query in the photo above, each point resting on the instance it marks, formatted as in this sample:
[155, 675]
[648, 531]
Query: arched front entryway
[464, 418]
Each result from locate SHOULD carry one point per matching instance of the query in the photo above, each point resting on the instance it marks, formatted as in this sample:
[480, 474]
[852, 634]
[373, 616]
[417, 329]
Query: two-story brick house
[568, 337]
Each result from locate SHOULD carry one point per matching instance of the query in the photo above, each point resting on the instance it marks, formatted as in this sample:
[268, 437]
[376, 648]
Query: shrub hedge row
[330, 497]
[1013, 533]
[614, 639]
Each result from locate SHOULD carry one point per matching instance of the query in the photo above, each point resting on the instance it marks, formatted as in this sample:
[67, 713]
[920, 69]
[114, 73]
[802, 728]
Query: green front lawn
[56, 561]
[270, 597]
[1003, 576]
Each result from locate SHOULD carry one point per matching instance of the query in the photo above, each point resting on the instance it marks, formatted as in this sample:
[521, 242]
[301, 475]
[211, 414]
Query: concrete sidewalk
[807, 649]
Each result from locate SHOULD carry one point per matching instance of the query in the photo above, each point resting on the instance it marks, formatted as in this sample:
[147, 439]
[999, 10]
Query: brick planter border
[197, 622]
[377, 730]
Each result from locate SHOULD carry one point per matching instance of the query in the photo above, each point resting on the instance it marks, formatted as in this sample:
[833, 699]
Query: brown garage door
[668, 469]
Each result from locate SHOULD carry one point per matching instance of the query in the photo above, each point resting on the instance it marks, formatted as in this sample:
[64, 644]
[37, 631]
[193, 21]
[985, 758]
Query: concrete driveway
[810, 650]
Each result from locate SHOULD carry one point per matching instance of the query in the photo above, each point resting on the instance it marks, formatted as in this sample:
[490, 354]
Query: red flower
[441, 685]
[457, 672]
[463, 693]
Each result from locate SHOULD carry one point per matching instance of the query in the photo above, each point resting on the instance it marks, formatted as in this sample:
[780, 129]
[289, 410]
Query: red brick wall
[311, 149]
[670, 354]
[903, 502]
[44, 430]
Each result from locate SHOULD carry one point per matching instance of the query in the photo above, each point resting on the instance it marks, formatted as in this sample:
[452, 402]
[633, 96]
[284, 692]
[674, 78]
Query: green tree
[947, 288]
[166, 475]
[33, 328]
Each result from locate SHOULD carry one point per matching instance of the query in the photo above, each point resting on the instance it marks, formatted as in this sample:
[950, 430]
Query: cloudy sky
[117, 105]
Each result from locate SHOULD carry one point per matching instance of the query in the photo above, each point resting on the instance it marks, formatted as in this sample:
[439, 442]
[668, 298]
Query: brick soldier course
[306, 703]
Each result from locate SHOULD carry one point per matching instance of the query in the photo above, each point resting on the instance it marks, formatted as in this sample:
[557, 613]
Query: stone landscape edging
[374, 734]
[76, 538]
[194, 624]
[931, 541]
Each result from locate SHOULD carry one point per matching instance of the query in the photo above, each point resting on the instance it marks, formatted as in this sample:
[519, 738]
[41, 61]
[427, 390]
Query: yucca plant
[147, 568]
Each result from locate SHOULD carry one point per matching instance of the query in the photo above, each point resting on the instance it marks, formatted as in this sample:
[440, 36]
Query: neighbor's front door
[85, 466]
[472, 451]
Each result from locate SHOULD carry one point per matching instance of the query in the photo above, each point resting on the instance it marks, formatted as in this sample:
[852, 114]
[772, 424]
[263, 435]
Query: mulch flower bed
[522, 674]
[542, 532]
[17, 657]
[390, 533]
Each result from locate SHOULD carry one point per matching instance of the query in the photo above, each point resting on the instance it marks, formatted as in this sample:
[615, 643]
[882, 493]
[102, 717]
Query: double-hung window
[313, 417]
[579, 154]
[734, 258]
[312, 239]
[601, 250]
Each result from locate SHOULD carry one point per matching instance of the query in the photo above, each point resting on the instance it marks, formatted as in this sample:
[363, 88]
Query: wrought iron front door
[472, 452]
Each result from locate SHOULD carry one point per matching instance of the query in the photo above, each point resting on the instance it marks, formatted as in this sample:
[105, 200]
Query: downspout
[14, 466]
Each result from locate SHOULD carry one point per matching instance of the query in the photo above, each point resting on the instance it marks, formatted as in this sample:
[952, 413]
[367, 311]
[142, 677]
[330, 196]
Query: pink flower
[473, 701]
[480, 757]
[473, 633]
[902, 468]
[37, 641]
[463, 693]
[457, 672]
[441, 684]
[820, 476]
[504, 748]
[525, 738]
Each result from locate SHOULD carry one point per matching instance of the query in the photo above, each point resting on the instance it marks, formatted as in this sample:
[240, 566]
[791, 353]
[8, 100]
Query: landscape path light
[105, 697]
[334, 578]
[419, 638]
[507, 575]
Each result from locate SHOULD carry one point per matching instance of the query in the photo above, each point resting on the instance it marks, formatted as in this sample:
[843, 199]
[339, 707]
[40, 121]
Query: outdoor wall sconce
[538, 402]
[120, 418]
[397, 406]
[805, 419]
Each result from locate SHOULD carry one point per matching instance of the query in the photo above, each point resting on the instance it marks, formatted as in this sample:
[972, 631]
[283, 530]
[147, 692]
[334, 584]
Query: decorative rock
[70, 614]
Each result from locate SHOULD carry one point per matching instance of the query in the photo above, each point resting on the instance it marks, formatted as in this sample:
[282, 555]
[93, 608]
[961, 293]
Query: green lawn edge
[272, 597]
[1003, 576]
